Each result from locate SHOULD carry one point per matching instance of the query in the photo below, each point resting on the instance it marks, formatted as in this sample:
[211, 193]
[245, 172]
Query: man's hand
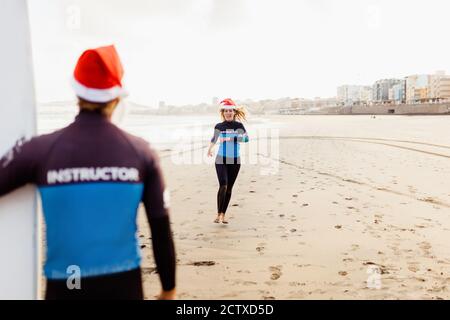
[167, 295]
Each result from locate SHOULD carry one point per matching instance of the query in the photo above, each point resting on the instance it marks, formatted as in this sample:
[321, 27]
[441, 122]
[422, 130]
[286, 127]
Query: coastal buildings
[426, 93]
[382, 88]
[427, 88]
[351, 94]
[417, 88]
[439, 86]
[397, 93]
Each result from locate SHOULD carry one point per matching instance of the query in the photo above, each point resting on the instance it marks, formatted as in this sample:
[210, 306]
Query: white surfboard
[18, 218]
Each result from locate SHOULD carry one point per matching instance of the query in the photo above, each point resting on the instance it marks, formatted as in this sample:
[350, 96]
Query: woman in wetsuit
[230, 133]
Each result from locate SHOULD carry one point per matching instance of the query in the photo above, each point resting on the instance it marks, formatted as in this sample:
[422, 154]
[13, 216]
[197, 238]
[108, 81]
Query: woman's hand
[211, 146]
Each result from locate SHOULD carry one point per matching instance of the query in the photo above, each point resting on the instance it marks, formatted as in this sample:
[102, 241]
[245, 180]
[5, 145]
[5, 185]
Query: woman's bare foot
[223, 219]
[218, 219]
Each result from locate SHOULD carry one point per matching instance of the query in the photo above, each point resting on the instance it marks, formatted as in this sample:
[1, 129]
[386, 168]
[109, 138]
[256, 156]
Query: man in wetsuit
[92, 176]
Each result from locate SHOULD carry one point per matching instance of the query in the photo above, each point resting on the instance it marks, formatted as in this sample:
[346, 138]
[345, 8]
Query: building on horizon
[354, 94]
[382, 88]
[417, 88]
[439, 86]
[397, 93]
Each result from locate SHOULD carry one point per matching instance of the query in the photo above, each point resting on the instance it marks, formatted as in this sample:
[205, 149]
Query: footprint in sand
[425, 245]
[260, 248]
[412, 190]
[149, 270]
[296, 284]
[243, 271]
[202, 263]
[276, 272]
[379, 216]
[426, 248]
[429, 200]
[303, 265]
[413, 267]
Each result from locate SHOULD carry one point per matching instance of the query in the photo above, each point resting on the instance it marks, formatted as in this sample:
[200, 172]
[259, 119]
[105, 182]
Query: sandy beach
[329, 207]
[358, 208]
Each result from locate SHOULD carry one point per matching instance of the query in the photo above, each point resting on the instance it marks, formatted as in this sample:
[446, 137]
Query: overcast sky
[188, 51]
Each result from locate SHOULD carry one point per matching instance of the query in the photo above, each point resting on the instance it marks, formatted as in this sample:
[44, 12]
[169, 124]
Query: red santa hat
[227, 104]
[98, 75]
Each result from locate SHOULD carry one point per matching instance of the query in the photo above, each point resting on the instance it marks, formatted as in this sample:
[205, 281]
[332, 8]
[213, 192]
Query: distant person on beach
[92, 176]
[230, 133]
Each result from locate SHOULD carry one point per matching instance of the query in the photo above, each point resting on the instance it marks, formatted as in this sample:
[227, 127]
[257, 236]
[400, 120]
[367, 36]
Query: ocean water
[163, 132]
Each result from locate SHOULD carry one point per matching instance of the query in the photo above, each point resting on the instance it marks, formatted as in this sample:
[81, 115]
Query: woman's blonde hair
[105, 108]
[239, 114]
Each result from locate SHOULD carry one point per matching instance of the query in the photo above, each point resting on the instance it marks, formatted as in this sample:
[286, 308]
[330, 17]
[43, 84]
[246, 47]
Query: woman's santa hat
[98, 75]
[227, 104]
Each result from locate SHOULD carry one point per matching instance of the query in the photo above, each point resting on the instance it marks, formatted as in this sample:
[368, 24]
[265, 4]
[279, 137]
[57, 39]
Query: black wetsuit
[118, 286]
[92, 176]
[228, 160]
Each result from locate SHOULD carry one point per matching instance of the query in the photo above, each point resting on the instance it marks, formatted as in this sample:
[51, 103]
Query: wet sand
[358, 209]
